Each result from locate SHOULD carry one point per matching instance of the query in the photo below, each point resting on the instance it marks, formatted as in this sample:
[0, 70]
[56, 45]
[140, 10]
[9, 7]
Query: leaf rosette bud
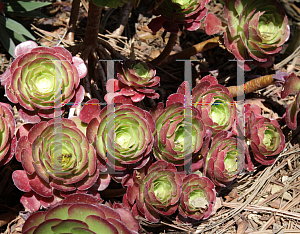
[215, 103]
[136, 81]
[225, 159]
[198, 197]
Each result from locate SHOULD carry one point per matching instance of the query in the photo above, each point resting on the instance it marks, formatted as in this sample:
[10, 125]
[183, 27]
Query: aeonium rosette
[254, 30]
[225, 159]
[157, 193]
[136, 80]
[122, 134]
[41, 79]
[198, 197]
[7, 133]
[81, 213]
[292, 86]
[57, 160]
[174, 12]
[265, 136]
[215, 103]
[179, 133]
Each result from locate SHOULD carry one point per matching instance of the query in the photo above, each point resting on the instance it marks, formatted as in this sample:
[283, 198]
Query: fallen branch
[251, 85]
[195, 49]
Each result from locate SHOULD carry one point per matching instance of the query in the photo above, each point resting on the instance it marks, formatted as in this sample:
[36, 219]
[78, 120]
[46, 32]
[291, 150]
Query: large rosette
[41, 79]
[57, 160]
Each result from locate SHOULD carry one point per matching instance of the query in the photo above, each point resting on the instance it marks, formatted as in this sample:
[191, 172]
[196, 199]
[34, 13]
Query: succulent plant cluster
[254, 30]
[172, 159]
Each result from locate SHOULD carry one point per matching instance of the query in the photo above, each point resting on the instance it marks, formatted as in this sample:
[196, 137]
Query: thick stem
[195, 49]
[251, 85]
[124, 16]
[92, 29]
[166, 52]
[73, 20]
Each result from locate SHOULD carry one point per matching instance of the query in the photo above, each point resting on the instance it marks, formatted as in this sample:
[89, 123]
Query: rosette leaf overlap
[41, 79]
[189, 13]
[198, 197]
[159, 192]
[7, 133]
[81, 213]
[122, 135]
[215, 103]
[255, 30]
[225, 159]
[266, 137]
[179, 133]
[57, 160]
[136, 80]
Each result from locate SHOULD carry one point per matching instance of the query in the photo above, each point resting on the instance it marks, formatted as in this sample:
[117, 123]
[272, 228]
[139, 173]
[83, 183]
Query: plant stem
[73, 20]
[126, 9]
[166, 52]
[92, 29]
[251, 85]
[195, 49]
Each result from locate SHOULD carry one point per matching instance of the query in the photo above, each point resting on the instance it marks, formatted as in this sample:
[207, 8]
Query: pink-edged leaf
[36, 130]
[78, 97]
[26, 159]
[21, 180]
[90, 110]
[25, 47]
[119, 225]
[137, 97]
[34, 220]
[212, 24]
[40, 187]
[113, 85]
[80, 198]
[103, 181]
[291, 85]
[92, 130]
[31, 201]
[64, 52]
[175, 98]
[128, 219]
[29, 116]
[51, 113]
[80, 66]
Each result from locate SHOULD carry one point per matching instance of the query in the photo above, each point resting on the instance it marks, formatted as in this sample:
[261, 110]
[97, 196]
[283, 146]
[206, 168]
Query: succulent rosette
[158, 192]
[136, 81]
[214, 101]
[122, 134]
[198, 197]
[7, 133]
[292, 86]
[81, 213]
[255, 30]
[265, 136]
[189, 13]
[41, 79]
[57, 160]
[179, 133]
[225, 159]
